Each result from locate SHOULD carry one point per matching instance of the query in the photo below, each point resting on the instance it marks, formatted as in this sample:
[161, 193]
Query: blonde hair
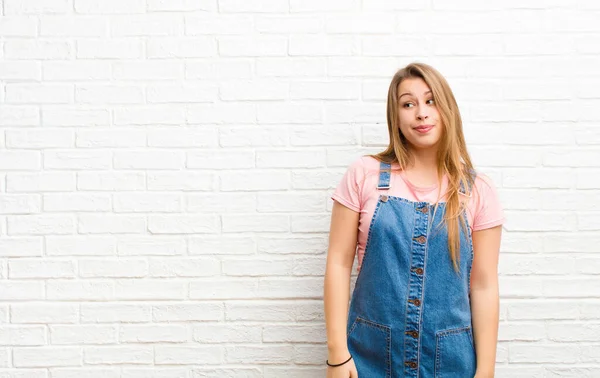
[452, 155]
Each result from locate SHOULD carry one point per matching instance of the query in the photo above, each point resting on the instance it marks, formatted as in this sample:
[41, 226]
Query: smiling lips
[424, 128]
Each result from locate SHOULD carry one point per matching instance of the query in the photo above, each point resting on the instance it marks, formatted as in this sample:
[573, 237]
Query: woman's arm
[485, 298]
[340, 257]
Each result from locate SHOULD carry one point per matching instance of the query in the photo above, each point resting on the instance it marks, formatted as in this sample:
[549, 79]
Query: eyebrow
[409, 93]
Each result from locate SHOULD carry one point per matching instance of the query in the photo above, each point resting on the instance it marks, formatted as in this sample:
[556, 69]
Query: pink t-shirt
[358, 191]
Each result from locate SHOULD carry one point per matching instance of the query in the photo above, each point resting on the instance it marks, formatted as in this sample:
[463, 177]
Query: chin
[424, 146]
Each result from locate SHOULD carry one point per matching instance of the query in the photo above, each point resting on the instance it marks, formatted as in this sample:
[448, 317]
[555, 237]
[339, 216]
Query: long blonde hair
[452, 155]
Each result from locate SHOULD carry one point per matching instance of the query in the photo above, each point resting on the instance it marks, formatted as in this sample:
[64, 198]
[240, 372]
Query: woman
[428, 229]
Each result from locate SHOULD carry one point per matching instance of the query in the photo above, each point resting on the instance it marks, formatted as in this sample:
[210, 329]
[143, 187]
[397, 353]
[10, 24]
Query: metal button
[419, 271]
[414, 334]
[411, 364]
[416, 302]
[384, 198]
[423, 209]
[421, 239]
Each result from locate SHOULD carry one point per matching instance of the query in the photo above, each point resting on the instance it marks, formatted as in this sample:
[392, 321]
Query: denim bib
[410, 313]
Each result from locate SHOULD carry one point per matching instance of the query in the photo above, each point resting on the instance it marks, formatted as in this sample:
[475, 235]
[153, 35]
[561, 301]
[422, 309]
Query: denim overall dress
[410, 313]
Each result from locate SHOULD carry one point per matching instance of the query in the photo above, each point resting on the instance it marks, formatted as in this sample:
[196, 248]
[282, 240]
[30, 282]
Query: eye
[430, 101]
[406, 104]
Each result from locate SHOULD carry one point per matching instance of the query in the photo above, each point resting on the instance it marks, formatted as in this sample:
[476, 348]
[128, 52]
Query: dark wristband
[328, 364]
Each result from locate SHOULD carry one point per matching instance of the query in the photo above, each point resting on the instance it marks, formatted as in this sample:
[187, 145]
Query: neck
[423, 161]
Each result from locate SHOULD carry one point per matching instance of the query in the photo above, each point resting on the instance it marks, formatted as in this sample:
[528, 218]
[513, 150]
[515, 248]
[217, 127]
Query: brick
[40, 224]
[73, 202]
[20, 71]
[146, 25]
[319, 6]
[219, 24]
[39, 139]
[121, 268]
[259, 354]
[85, 372]
[203, 355]
[23, 335]
[294, 334]
[291, 66]
[189, 267]
[73, 26]
[138, 354]
[288, 202]
[116, 48]
[254, 181]
[65, 116]
[149, 289]
[35, 7]
[153, 333]
[36, 93]
[21, 247]
[252, 136]
[109, 7]
[82, 290]
[100, 94]
[147, 202]
[20, 204]
[144, 159]
[38, 49]
[49, 356]
[111, 223]
[331, 45]
[115, 313]
[237, 46]
[183, 224]
[258, 268]
[215, 333]
[284, 24]
[150, 115]
[255, 223]
[262, 6]
[87, 245]
[83, 334]
[188, 47]
[181, 5]
[201, 92]
[44, 313]
[147, 70]
[184, 312]
[40, 269]
[154, 245]
[222, 245]
[290, 159]
[108, 181]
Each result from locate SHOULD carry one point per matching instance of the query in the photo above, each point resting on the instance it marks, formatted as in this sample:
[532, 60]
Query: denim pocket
[455, 353]
[369, 344]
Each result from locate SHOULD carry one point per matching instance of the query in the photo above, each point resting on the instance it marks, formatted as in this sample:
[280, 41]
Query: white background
[166, 167]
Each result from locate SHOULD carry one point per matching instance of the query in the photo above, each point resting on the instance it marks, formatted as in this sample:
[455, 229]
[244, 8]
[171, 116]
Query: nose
[422, 114]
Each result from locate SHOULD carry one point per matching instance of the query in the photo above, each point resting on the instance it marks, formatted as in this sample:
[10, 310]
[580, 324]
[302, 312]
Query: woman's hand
[347, 370]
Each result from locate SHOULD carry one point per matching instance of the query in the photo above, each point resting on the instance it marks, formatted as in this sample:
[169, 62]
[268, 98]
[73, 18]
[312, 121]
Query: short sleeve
[348, 191]
[488, 209]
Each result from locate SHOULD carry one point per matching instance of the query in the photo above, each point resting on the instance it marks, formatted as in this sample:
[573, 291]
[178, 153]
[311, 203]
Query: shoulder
[483, 191]
[364, 166]
[366, 162]
[483, 184]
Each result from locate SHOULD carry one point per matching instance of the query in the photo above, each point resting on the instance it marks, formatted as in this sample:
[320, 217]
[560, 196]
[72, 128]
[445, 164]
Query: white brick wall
[166, 166]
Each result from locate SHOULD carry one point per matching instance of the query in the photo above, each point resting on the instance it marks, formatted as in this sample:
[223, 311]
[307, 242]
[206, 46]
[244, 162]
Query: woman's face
[420, 121]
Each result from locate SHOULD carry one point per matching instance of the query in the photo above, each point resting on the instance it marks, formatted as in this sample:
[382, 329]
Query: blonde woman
[426, 228]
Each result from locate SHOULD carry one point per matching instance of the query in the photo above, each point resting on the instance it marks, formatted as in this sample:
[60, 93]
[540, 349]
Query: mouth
[423, 128]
